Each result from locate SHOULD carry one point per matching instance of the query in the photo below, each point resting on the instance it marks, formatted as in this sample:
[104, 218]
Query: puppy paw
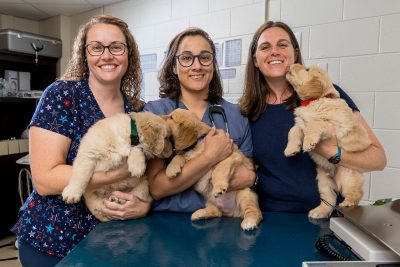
[291, 151]
[307, 147]
[199, 215]
[249, 224]
[117, 200]
[320, 212]
[137, 170]
[206, 213]
[71, 194]
[348, 203]
[172, 171]
[309, 143]
[219, 189]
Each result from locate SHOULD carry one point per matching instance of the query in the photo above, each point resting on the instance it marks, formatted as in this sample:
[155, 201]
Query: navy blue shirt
[239, 130]
[285, 183]
[47, 222]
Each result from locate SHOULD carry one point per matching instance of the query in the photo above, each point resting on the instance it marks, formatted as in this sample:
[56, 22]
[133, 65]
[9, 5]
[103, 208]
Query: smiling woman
[106, 66]
[190, 79]
[288, 183]
[101, 80]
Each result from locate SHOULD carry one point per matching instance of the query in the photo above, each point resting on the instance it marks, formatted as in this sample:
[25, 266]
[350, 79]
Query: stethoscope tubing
[218, 109]
[213, 109]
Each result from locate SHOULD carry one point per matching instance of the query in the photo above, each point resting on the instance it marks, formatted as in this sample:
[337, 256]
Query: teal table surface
[171, 239]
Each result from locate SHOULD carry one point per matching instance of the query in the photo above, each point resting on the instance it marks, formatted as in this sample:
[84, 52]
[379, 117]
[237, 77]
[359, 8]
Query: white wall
[11, 22]
[358, 41]
[155, 22]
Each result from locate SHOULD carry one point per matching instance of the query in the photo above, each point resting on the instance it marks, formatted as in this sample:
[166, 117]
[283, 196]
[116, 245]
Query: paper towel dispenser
[27, 43]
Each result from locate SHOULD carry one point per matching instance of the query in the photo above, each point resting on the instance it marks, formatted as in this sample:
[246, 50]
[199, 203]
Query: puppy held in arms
[321, 115]
[187, 130]
[135, 136]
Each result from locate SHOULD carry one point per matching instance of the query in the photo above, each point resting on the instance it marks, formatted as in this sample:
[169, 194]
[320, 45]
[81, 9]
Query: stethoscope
[212, 111]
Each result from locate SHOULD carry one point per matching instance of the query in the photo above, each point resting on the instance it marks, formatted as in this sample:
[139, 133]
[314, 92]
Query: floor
[8, 251]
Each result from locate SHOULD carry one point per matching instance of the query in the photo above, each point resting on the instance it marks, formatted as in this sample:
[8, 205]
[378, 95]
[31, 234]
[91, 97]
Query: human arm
[217, 146]
[50, 173]
[371, 159]
[242, 178]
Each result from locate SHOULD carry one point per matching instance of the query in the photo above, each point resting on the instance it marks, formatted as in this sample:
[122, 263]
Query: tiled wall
[156, 22]
[358, 41]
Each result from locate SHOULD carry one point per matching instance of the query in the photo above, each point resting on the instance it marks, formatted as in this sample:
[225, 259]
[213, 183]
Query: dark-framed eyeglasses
[97, 48]
[187, 59]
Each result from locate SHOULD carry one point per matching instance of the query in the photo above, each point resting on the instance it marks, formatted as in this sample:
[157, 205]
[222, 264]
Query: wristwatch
[336, 158]
[254, 186]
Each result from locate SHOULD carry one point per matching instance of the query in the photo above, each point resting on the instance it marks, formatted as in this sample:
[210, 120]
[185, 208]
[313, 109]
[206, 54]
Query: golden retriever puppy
[186, 130]
[135, 136]
[322, 111]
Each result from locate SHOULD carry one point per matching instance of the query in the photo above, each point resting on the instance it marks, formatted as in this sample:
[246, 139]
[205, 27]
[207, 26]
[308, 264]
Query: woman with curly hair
[103, 78]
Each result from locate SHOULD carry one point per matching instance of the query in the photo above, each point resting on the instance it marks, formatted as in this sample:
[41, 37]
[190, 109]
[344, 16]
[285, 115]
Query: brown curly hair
[77, 68]
[253, 101]
[169, 81]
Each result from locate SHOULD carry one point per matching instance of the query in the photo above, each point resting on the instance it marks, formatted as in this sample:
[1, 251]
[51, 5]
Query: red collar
[305, 103]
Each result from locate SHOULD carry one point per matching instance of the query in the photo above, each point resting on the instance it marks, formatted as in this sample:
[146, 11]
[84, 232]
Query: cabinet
[42, 74]
[15, 115]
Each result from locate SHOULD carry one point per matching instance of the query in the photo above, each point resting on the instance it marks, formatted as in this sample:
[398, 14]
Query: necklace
[278, 100]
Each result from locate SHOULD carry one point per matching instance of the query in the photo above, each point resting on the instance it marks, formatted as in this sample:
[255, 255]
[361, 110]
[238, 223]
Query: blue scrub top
[239, 130]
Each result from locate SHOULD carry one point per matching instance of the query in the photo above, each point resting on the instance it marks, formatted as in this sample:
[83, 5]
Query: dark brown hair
[169, 81]
[253, 101]
[77, 68]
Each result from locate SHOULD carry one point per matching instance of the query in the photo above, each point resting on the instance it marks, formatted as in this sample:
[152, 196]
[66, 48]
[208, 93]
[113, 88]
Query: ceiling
[43, 9]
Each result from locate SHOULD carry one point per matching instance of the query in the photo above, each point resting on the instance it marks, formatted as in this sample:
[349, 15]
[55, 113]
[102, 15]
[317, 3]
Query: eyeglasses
[187, 59]
[97, 49]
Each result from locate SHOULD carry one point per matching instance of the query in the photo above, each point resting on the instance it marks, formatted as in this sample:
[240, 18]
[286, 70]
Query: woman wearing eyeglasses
[102, 79]
[190, 79]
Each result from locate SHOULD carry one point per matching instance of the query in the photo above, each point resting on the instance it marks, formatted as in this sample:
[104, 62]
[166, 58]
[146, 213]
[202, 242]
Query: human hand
[217, 145]
[128, 206]
[327, 148]
[242, 178]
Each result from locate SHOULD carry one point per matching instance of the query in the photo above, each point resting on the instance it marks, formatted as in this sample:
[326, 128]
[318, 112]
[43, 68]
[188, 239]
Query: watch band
[254, 186]
[336, 159]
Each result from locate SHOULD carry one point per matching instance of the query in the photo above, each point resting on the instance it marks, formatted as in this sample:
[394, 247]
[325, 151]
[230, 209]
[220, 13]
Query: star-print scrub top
[47, 222]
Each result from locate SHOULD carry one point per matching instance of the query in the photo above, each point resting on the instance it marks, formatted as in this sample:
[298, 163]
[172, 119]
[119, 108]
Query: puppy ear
[325, 82]
[154, 135]
[189, 128]
[332, 91]
[187, 133]
[315, 87]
